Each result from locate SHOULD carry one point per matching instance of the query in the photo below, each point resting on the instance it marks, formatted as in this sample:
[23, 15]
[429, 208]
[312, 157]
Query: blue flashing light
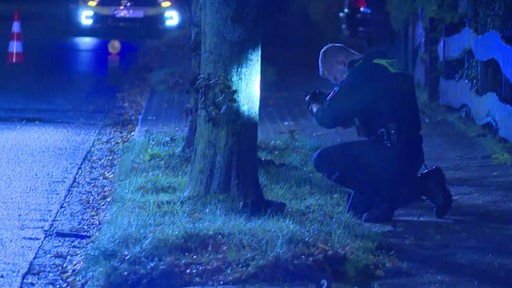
[86, 17]
[172, 18]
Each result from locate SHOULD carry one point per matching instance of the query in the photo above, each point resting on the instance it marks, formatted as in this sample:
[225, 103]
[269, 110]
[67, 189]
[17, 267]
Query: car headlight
[86, 17]
[165, 4]
[172, 18]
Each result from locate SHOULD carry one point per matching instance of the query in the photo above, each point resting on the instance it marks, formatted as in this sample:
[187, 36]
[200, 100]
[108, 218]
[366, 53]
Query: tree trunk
[224, 159]
[195, 39]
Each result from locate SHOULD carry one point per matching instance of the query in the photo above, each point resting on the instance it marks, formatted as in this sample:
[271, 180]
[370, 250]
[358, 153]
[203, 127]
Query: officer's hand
[308, 100]
[315, 97]
[318, 97]
[311, 104]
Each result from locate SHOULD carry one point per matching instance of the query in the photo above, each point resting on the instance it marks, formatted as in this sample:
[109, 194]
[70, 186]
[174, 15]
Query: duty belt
[387, 136]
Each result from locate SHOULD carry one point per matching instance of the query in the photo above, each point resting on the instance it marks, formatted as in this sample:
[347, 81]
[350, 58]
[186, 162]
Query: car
[367, 21]
[161, 14]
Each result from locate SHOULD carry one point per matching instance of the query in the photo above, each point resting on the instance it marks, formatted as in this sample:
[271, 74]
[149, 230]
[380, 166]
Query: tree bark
[224, 159]
[195, 39]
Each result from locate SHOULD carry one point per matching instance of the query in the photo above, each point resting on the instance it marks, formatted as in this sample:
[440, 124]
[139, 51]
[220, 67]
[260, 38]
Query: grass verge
[155, 235]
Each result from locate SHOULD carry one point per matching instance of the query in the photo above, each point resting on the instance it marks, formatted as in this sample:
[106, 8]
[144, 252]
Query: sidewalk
[471, 247]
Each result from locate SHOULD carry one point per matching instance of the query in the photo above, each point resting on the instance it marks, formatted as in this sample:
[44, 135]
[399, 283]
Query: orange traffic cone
[15, 52]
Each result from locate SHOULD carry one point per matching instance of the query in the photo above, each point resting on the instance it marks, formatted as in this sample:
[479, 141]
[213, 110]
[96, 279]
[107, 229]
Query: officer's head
[333, 61]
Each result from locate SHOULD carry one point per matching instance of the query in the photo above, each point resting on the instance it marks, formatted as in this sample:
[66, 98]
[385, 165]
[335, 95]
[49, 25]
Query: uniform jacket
[376, 97]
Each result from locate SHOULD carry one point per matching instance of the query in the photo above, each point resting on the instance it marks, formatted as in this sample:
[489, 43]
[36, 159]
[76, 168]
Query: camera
[316, 96]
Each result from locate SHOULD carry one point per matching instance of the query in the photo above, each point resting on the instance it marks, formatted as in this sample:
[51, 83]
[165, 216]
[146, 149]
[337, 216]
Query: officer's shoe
[433, 183]
[379, 215]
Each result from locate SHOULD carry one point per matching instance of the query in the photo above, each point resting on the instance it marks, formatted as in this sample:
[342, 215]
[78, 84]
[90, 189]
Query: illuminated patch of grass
[157, 235]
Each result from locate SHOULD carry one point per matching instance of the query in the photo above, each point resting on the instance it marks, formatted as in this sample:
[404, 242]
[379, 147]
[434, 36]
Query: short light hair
[334, 50]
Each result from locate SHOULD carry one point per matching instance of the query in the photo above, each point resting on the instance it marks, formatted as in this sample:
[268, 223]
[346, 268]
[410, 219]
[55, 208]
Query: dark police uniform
[380, 101]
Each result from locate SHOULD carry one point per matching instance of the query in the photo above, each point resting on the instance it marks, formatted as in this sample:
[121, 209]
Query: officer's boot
[433, 187]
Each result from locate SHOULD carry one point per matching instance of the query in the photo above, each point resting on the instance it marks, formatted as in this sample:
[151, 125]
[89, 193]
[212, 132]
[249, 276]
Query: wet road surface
[67, 75]
[67, 80]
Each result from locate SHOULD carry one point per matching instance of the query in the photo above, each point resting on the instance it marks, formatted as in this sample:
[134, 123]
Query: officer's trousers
[382, 174]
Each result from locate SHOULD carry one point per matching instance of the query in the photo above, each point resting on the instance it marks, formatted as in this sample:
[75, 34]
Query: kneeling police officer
[373, 95]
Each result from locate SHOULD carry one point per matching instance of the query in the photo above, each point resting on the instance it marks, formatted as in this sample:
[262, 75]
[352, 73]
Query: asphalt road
[39, 162]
